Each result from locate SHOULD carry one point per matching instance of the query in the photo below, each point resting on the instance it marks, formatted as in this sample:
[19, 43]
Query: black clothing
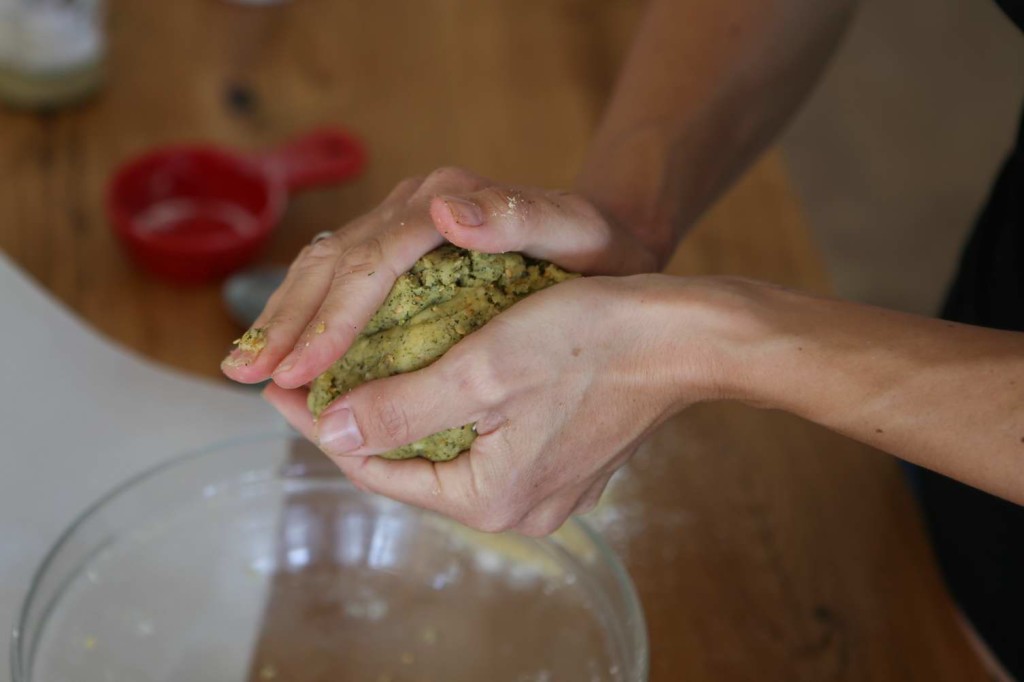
[979, 538]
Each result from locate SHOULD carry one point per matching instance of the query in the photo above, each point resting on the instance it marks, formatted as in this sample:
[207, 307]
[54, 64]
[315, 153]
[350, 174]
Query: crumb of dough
[513, 201]
[253, 340]
[321, 327]
[448, 294]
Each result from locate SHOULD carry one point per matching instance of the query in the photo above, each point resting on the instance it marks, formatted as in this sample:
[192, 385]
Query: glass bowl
[256, 560]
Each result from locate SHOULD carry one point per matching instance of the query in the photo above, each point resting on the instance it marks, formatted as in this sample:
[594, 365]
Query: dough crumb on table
[448, 294]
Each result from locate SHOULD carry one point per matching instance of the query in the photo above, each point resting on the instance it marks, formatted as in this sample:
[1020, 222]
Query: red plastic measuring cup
[196, 213]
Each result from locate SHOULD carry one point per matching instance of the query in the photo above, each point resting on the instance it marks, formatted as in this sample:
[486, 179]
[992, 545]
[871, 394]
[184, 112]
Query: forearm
[706, 86]
[946, 396]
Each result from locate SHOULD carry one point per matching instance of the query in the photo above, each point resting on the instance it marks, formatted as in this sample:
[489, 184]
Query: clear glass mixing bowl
[256, 560]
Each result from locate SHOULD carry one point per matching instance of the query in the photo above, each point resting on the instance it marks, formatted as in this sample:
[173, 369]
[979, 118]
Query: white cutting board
[111, 415]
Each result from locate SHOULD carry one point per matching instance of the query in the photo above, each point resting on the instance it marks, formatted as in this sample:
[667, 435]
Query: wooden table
[764, 548]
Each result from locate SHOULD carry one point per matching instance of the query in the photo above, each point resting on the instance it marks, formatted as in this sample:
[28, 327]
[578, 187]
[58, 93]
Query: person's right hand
[561, 389]
[335, 285]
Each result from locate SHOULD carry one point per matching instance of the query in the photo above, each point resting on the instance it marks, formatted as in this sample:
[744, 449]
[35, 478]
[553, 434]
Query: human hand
[562, 388]
[336, 284]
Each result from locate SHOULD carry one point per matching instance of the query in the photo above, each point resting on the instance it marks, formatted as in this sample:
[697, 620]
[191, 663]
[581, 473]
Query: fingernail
[238, 358]
[247, 348]
[465, 212]
[337, 432]
[289, 361]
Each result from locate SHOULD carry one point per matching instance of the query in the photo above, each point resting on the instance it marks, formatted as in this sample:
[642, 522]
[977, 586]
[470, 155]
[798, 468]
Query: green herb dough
[254, 340]
[448, 294]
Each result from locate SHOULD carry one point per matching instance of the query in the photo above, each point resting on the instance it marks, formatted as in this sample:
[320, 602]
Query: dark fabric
[979, 538]
[1014, 9]
[989, 287]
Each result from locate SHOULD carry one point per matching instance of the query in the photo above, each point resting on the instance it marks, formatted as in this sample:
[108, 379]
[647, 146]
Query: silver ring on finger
[320, 236]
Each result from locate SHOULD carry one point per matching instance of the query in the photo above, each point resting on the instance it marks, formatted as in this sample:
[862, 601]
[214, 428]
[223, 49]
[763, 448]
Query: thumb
[561, 227]
[388, 413]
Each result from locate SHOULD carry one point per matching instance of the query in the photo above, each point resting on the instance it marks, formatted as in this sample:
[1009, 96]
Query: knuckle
[362, 258]
[493, 195]
[506, 202]
[450, 176]
[479, 378]
[495, 519]
[541, 527]
[274, 301]
[392, 423]
[298, 265]
[315, 256]
[406, 187]
[492, 508]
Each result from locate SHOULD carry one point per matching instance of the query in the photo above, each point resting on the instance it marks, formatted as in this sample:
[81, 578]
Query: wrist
[681, 340]
[623, 176]
[767, 342]
[700, 339]
[716, 338]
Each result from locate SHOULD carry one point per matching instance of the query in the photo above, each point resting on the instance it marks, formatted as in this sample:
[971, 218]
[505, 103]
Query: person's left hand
[336, 284]
[562, 388]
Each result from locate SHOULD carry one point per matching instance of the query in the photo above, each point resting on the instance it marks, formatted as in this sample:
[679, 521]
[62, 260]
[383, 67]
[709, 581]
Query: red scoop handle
[322, 157]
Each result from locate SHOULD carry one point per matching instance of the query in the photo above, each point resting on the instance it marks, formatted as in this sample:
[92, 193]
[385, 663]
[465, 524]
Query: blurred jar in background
[51, 51]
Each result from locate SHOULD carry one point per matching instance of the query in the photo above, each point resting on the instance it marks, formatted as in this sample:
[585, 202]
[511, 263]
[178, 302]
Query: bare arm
[706, 86]
[558, 412]
[947, 396]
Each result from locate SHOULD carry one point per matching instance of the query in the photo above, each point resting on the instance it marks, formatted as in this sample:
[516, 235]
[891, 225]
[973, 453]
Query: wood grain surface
[764, 548]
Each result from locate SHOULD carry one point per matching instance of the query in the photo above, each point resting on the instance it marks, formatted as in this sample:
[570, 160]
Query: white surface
[78, 415]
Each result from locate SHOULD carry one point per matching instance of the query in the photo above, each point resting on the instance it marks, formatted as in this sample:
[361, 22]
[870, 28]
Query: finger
[477, 488]
[381, 255]
[356, 287]
[562, 227]
[457, 489]
[240, 361]
[592, 496]
[437, 487]
[404, 190]
[388, 413]
[367, 270]
[292, 406]
[288, 311]
[549, 516]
